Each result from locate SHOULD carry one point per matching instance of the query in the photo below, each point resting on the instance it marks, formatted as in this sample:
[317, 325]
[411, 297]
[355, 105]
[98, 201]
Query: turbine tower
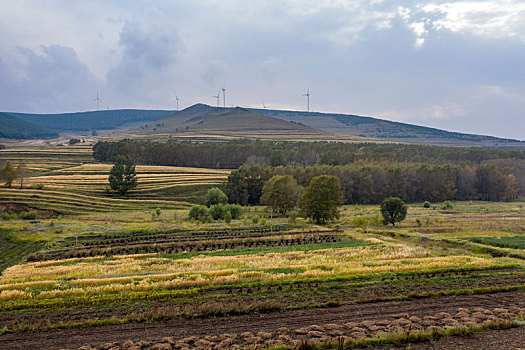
[98, 101]
[223, 96]
[218, 96]
[177, 99]
[307, 100]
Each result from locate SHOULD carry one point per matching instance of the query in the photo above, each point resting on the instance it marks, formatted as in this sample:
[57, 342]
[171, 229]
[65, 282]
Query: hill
[94, 120]
[390, 131]
[15, 128]
[203, 121]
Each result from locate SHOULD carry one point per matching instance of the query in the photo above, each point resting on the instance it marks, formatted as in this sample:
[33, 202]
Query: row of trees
[232, 154]
[371, 184]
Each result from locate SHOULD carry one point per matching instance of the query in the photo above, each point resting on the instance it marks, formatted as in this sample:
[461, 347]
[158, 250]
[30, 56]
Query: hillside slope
[94, 120]
[203, 120]
[15, 128]
[390, 131]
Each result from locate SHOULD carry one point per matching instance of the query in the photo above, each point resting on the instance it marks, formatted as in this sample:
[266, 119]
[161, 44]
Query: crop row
[177, 236]
[198, 234]
[285, 295]
[13, 251]
[189, 246]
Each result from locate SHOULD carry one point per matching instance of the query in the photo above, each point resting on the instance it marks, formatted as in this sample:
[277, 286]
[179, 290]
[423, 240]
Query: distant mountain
[236, 122]
[95, 120]
[254, 123]
[15, 128]
[390, 131]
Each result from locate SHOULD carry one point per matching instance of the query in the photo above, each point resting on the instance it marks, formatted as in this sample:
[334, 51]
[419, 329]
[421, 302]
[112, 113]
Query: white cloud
[485, 18]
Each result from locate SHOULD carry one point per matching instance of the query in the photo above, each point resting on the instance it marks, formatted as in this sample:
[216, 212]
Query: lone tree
[123, 177]
[9, 173]
[322, 198]
[215, 196]
[281, 193]
[393, 210]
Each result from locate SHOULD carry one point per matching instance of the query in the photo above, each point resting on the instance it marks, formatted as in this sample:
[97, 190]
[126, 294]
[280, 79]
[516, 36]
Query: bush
[215, 196]
[447, 205]
[73, 141]
[9, 216]
[199, 212]
[218, 211]
[426, 205]
[235, 210]
[28, 215]
[228, 217]
[255, 219]
[157, 211]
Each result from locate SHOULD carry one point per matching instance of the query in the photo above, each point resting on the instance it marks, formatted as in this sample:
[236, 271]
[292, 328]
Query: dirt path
[73, 338]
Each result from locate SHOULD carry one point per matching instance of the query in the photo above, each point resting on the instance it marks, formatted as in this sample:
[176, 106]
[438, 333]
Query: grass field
[89, 259]
[73, 183]
[131, 267]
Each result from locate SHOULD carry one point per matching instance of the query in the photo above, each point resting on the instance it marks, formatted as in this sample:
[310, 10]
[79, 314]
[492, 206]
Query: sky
[454, 65]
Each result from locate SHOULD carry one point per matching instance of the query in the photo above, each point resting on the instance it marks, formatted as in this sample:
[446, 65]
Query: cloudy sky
[457, 65]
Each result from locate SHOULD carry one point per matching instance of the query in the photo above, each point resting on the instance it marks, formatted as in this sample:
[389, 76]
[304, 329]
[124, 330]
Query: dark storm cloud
[52, 79]
[147, 51]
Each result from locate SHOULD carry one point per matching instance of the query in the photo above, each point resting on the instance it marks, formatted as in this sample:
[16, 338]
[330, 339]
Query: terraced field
[71, 182]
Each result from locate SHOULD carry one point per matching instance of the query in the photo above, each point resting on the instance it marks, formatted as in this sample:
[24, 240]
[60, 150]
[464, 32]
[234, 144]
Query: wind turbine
[218, 96]
[223, 96]
[177, 99]
[307, 100]
[264, 106]
[98, 102]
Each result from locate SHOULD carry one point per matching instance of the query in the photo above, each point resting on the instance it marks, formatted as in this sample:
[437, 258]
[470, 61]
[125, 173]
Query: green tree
[123, 177]
[322, 198]
[9, 173]
[215, 196]
[244, 185]
[277, 157]
[281, 193]
[393, 210]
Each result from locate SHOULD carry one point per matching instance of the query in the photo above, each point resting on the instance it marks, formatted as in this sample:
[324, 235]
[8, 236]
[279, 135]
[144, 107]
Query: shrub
[228, 217]
[198, 212]
[255, 219]
[215, 196]
[217, 211]
[447, 205]
[38, 186]
[157, 211]
[426, 205]
[74, 141]
[235, 211]
[28, 215]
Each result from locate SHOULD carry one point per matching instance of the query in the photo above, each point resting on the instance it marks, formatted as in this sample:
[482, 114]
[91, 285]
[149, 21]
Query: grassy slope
[389, 130]
[15, 128]
[99, 120]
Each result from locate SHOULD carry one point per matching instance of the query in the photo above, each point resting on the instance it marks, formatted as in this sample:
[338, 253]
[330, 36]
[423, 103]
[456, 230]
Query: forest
[232, 154]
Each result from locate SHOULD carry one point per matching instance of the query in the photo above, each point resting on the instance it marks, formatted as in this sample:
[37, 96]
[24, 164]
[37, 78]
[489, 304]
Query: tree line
[369, 172]
[232, 154]
[370, 184]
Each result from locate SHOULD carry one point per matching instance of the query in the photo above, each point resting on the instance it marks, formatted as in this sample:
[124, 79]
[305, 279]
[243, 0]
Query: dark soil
[178, 329]
[507, 339]
[19, 208]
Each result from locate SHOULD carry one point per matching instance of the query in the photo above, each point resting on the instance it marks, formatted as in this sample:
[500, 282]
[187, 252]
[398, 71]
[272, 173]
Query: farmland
[102, 271]
[112, 272]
